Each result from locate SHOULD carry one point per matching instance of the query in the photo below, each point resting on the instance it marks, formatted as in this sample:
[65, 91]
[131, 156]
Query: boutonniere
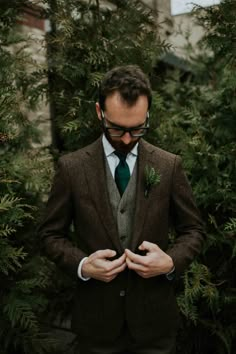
[152, 178]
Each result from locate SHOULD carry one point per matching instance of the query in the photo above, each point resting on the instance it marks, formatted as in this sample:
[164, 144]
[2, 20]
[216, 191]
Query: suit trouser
[125, 344]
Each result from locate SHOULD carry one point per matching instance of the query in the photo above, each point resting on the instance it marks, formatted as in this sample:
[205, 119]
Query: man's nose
[126, 138]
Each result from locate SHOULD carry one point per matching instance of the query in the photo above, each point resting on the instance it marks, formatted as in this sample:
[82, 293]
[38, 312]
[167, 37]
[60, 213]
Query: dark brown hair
[129, 81]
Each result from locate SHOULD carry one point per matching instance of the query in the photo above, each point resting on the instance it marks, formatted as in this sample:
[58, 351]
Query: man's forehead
[121, 126]
[115, 98]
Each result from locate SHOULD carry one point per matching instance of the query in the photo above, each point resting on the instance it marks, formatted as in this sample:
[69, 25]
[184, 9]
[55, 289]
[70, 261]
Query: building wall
[175, 28]
[179, 29]
[34, 28]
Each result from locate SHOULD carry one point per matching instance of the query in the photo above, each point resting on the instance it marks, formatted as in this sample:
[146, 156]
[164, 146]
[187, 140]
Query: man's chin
[123, 148]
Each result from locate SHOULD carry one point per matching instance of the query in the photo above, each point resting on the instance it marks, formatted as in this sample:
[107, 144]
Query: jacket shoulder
[79, 156]
[160, 153]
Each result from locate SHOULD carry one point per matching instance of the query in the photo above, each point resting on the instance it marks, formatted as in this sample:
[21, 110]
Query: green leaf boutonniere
[152, 178]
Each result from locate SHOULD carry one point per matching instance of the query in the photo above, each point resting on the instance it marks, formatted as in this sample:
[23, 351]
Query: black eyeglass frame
[124, 130]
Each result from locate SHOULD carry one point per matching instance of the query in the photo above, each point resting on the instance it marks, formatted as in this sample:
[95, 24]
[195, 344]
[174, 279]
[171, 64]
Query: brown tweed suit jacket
[79, 195]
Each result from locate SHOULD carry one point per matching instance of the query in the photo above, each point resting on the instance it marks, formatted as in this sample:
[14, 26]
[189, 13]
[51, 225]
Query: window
[183, 6]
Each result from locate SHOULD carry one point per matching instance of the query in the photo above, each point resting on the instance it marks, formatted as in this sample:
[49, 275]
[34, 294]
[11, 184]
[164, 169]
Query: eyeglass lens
[119, 131]
[133, 132]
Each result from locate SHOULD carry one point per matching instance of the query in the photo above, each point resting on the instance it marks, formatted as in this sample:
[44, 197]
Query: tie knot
[122, 155]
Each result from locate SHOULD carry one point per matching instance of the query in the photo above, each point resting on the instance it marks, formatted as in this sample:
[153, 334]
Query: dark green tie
[122, 173]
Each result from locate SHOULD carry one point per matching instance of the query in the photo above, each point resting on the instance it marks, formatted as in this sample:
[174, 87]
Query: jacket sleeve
[53, 230]
[187, 222]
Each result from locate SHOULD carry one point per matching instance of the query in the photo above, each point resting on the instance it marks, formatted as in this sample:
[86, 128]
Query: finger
[105, 253]
[117, 270]
[121, 259]
[149, 246]
[135, 266]
[142, 247]
[108, 266]
[135, 257]
[118, 262]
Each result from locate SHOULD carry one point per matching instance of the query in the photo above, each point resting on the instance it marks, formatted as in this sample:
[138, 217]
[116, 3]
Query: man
[124, 264]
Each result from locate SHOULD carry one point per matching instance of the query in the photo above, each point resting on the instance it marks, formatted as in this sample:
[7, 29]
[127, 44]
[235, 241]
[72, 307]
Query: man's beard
[120, 146]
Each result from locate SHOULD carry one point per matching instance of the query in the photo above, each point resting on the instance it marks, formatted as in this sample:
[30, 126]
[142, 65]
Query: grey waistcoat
[123, 207]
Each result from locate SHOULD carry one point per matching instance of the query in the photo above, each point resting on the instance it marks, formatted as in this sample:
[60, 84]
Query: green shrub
[197, 121]
[24, 176]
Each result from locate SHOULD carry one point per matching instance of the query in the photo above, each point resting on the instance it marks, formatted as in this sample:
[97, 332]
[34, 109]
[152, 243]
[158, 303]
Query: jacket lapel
[95, 171]
[145, 158]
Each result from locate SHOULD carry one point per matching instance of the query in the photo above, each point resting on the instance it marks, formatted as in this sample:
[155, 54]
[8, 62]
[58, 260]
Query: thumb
[142, 247]
[107, 253]
[148, 246]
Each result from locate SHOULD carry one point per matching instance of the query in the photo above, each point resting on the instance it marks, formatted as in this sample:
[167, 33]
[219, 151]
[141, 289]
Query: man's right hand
[98, 265]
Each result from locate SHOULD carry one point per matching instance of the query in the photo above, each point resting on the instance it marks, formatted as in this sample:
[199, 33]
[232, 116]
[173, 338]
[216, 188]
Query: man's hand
[155, 262]
[98, 265]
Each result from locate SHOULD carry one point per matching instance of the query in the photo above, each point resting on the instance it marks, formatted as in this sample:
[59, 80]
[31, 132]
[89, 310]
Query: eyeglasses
[118, 131]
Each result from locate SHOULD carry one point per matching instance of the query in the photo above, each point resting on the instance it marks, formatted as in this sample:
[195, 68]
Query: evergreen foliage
[86, 41]
[24, 176]
[197, 121]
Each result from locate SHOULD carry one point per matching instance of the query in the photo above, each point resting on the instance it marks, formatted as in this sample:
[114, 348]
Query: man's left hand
[155, 262]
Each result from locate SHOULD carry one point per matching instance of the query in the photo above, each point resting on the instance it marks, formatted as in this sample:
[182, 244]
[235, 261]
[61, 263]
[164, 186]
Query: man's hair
[129, 81]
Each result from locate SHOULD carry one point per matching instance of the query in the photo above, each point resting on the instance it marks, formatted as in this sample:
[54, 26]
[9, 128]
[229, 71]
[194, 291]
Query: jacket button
[122, 293]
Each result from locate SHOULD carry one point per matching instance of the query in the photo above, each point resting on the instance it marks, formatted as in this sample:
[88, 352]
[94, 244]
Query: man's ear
[98, 110]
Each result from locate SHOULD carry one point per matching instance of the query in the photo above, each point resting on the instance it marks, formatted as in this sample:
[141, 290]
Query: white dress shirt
[113, 160]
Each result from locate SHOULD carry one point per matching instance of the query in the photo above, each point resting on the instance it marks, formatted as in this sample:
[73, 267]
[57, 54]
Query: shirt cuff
[171, 274]
[79, 272]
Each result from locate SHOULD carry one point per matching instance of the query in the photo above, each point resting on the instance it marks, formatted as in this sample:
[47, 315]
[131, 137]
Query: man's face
[119, 113]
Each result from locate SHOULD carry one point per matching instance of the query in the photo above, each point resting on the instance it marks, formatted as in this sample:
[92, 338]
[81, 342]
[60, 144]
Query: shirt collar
[108, 148]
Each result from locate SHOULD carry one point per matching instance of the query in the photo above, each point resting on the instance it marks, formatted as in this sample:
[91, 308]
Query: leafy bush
[197, 120]
[86, 41]
[24, 176]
